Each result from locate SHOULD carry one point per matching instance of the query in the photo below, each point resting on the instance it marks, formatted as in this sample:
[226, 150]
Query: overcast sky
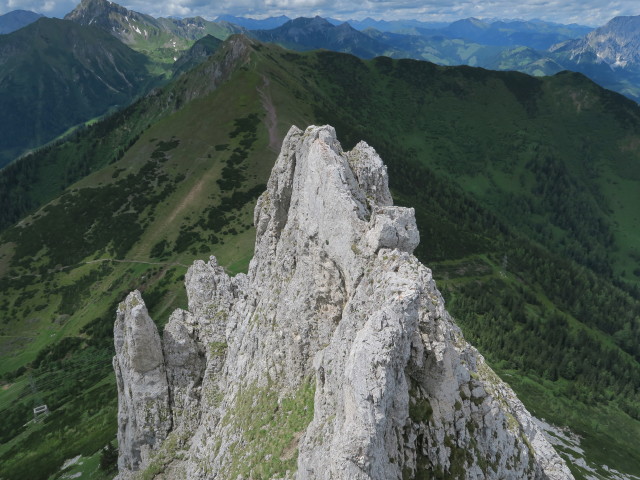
[585, 12]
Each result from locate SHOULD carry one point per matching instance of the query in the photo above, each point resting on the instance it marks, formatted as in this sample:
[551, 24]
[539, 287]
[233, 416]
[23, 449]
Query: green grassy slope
[197, 54]
[513, 181]
[43, 175]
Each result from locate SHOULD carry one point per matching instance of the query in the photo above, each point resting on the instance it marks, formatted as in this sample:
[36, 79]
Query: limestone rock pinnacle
[332, 358]
[143, 395]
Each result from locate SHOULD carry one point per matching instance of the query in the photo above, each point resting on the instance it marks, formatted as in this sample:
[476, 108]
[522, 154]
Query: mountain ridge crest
[334, 304]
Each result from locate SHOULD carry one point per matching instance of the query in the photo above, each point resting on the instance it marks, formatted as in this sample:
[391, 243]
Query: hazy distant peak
[15, 20]
[617, 43]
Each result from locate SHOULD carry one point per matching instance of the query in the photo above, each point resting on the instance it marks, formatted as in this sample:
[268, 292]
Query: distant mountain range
[535, 34]
[162, 39]
[12, 21]
[395, 26]
[617, 44]
[253, 23]
[315, 33]
[608, 55]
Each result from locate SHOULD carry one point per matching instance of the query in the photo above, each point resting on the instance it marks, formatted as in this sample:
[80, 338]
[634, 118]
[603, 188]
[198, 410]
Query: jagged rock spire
[335, 308]
[144, 417]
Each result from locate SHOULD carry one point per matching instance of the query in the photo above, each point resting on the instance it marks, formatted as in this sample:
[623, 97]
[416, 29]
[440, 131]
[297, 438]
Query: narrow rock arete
[333, 358]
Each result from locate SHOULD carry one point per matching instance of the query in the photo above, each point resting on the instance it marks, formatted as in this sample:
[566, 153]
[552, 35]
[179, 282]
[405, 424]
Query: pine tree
[109, 458]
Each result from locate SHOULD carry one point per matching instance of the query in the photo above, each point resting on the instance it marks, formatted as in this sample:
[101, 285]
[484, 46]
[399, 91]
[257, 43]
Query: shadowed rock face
[335, 303]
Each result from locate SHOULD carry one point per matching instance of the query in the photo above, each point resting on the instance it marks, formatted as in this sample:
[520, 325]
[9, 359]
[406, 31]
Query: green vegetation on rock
[271, 424]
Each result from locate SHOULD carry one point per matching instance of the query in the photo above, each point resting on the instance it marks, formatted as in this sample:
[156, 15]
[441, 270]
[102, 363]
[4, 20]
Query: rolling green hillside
[524, 190]
[197, 54]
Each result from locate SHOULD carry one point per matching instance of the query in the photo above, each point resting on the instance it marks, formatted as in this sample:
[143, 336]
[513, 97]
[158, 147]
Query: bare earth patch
[289, 452]
[275, 143]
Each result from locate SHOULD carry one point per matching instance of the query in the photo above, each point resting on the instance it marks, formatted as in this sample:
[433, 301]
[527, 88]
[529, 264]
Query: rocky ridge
[144, 32]
[616, 44]
[119, 21]
[334, 357]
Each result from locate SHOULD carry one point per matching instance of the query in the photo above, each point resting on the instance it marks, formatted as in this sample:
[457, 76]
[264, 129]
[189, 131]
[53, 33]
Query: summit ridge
[333, 357]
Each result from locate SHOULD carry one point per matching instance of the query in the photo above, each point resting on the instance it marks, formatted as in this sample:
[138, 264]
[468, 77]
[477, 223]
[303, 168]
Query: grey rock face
[334, 357]
[143, 395]
[617, 44]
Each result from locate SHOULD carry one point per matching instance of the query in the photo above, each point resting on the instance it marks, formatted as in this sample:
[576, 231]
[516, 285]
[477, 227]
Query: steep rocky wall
[143, 393]
[334, 357]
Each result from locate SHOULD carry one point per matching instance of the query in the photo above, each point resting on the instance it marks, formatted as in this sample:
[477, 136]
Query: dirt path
[272, 118]
[162, 225]
[193, 193]
[67, 267]
[171, 264]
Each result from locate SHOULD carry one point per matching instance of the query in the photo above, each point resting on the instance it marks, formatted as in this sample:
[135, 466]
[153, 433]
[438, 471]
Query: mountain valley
[55, 75]
[524, 187]
[58, 75]
[161, 39]
[533, 47]
[499, 167]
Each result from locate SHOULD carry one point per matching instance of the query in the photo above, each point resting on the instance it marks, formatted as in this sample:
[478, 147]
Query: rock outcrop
[144, 415]
[333, 358]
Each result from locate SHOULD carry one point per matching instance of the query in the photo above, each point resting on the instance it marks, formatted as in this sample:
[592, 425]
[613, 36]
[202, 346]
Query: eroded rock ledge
[333, 358]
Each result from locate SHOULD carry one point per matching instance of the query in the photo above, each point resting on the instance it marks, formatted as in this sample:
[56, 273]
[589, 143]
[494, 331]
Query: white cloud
[589, 12]
[178, 9]
[54, 8]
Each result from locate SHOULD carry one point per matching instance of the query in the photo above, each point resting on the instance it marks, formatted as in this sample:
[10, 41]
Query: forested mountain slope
[524, 188]
[56, 74]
